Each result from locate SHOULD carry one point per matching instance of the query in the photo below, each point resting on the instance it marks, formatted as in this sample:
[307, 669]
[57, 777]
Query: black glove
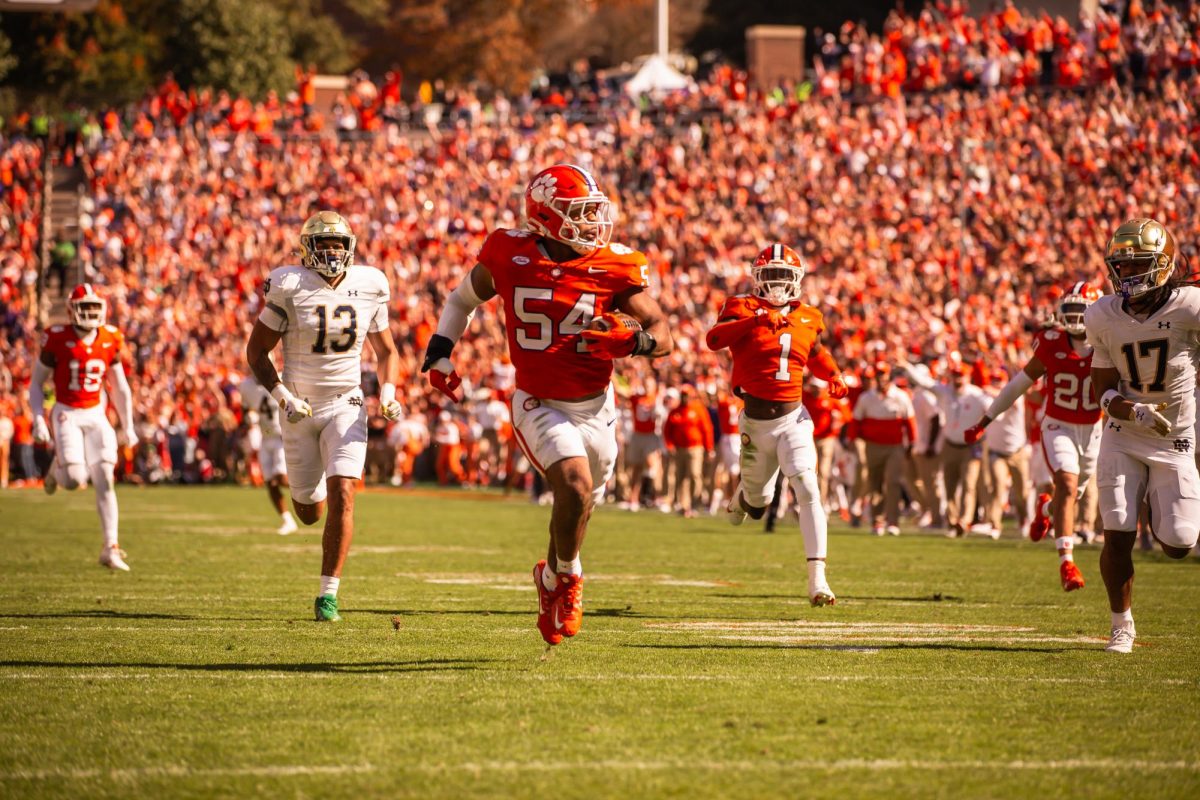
[439, 347]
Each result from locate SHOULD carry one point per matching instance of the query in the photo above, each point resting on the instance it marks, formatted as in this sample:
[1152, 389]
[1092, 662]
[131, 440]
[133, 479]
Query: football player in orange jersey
[1070, 427]
[79, 356]
[553, 278]
[772, 337]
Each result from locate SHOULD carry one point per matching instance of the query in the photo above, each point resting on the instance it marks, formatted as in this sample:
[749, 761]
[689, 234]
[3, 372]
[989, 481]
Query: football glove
[41, 431]
[974, 433]
[838, 388]
[293, 407]
[389, 406]
[127, 438]
[442, 375]
[611, 344]
[1147, 416]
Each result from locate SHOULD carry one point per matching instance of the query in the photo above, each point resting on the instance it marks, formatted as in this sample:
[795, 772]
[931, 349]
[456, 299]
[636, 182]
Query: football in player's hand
[612, 320]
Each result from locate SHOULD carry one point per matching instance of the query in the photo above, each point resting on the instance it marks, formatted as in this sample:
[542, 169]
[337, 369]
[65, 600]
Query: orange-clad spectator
[408, 437]
[23, 440]
[448, 437]
[883, 420]
[689, 431]
[306, 87]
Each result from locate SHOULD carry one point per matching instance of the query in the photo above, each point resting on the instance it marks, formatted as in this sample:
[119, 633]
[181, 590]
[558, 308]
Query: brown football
[613, 319]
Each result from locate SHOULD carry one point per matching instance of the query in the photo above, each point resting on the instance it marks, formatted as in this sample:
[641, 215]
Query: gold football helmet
[327, 244]
[1140, 257]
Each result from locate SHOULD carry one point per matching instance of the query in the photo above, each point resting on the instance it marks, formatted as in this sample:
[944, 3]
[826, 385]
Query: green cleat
[325, 608]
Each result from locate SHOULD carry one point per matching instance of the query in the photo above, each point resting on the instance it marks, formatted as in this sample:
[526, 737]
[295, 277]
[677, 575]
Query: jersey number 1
[785, 341]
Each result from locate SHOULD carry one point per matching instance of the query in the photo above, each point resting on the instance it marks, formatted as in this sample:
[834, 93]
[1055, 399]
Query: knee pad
[806, 487]
[74, 476]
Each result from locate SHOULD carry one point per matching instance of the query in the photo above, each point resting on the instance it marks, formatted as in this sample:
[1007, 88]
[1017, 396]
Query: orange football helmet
[1073, 304]
[86, 308]
[776, 273]
[564, 203]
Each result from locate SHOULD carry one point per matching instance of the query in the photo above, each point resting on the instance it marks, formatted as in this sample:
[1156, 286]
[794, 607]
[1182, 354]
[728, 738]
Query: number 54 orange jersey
[769, 359]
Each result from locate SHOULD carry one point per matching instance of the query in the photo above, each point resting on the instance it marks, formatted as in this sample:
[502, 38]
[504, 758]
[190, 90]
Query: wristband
[439, 347]
[1109, 396]
[643, 344]
[281, 394]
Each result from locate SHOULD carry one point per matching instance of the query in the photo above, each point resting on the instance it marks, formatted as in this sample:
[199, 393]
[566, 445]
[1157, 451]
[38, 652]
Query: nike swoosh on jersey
[593, 270]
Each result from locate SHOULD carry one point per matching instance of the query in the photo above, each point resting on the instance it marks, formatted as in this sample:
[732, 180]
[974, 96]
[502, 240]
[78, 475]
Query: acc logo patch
[531, 403]
[520, 260]
[556, 272]
[1060, 354]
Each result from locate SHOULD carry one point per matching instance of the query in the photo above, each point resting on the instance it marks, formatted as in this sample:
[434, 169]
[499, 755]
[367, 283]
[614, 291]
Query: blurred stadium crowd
[942, 180]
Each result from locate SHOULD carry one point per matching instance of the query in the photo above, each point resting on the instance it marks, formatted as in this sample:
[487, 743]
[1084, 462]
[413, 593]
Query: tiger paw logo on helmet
[543, 189]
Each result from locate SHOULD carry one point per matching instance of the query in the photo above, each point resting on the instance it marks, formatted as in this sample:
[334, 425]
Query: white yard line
[608, 765]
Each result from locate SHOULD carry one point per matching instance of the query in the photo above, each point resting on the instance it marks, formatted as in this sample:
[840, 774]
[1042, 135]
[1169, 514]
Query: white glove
[293, 407]
[127, 438]
[41, 432]
[389, 406]
[1148, 417]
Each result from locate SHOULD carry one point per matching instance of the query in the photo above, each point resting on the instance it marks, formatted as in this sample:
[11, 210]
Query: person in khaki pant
[926, 461]
[1008, 464]
[828, 416]
[883, 420]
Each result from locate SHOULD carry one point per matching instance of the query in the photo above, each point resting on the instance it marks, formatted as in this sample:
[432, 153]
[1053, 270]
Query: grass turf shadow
[348, 668]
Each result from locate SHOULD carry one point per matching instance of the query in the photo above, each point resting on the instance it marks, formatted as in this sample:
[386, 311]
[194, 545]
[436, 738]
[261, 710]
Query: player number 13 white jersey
[324, 327]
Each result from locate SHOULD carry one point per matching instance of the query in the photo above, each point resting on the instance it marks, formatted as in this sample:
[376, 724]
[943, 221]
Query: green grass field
[947, 668]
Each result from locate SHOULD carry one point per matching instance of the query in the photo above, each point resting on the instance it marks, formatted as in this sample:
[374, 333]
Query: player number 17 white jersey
[1156, 358]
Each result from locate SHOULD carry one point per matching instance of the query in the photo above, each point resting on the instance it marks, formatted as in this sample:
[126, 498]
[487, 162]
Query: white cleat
[893, 530]
[734, 512]
[289, 526]
[1121, 640]
[821, 595]
[114, 558]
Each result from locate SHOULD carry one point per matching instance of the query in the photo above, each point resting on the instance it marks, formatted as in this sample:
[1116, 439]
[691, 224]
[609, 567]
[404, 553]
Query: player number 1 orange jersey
[769, 363]
[547, 304]
[79, 368]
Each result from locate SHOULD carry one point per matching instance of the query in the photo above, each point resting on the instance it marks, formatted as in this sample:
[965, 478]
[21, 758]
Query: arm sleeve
[1019, 385]
[37, 392]
[122, 394]
[275, 304]
[823, 366]
[460, 308]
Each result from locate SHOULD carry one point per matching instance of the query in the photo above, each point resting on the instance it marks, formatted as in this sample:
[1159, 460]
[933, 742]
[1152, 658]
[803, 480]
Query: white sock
[816, 572]
[286, 516]
[549, 579]
[1123, 619]
[329, 585]
[814, 525]
[574, 567]
[1046, 507]
[106, 502]
[1066, 547]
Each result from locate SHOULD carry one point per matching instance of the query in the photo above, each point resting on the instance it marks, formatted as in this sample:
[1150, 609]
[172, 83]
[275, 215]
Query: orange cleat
[568, 604]
[1072, 578]
[1041, 521]
[546, 605]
